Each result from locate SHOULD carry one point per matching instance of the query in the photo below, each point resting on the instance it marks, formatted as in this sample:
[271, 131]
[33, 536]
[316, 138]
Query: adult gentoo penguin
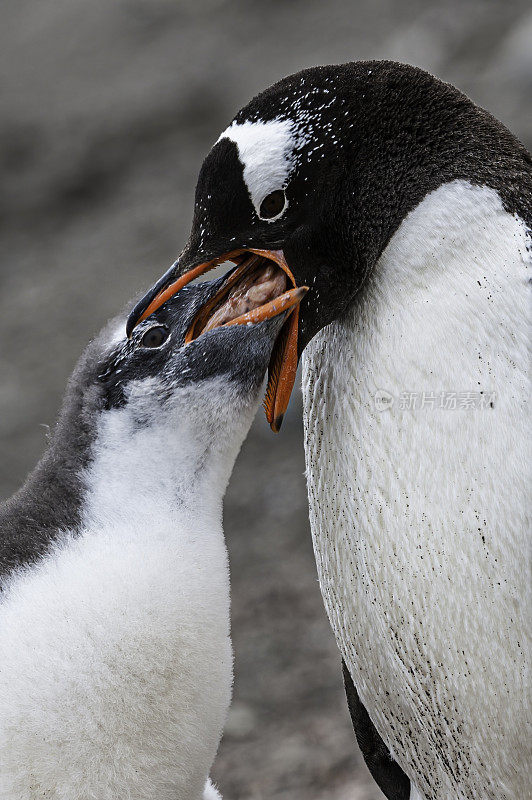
[406, 209]
[115, 656]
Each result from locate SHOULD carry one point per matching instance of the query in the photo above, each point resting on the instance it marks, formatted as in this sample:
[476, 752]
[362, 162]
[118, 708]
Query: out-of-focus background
[107, 110]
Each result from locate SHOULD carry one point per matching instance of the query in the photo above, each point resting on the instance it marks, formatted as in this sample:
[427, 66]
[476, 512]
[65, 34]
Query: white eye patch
[267, 152]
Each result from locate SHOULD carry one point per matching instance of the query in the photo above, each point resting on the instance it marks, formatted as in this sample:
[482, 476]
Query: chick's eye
[273, 204]
[155, 337]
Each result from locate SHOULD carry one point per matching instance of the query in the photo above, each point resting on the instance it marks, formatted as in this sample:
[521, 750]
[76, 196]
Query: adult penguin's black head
[317, 172]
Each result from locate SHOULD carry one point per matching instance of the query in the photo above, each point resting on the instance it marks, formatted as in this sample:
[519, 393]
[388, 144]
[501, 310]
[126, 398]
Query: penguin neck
[170, 468]
[418, 136]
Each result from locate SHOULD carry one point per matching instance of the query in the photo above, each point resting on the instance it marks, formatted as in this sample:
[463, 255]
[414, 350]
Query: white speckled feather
[419, 516]
[267, 152]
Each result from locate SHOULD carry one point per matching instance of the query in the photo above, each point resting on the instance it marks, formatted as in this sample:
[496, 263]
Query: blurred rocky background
[107, 110]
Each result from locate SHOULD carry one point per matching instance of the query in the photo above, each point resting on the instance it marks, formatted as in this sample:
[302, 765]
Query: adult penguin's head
[315, 174]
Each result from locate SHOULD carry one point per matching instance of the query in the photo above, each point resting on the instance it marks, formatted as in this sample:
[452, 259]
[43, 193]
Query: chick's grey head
[164, 411]
[159, 370]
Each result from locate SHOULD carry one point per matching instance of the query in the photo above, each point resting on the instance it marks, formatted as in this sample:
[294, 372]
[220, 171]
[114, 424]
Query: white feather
[419, 517]
[266, 151]
[115, 652]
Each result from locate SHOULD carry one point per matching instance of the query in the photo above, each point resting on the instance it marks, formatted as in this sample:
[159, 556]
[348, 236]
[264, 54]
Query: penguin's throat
[257, 287]
[253, 285]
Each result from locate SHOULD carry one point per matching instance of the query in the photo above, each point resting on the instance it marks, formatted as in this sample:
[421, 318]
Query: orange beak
[283, 363]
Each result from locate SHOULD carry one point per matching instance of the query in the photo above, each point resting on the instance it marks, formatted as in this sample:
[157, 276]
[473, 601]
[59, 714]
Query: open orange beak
[283, 363]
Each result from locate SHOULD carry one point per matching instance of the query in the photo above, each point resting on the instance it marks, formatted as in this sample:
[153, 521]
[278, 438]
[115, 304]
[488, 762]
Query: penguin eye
[272, 205]
[155, 337]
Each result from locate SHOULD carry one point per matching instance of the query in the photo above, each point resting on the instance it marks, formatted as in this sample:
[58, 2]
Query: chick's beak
[283, 363]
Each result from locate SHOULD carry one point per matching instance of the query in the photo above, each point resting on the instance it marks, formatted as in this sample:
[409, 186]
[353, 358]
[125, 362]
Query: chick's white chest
[115, 647]
[416, 449]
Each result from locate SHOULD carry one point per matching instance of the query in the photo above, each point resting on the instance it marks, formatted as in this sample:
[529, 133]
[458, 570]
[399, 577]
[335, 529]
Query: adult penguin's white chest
[416, 447]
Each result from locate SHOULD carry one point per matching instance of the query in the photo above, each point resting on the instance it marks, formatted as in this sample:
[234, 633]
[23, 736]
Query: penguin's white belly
[116, 665]
[419, 510]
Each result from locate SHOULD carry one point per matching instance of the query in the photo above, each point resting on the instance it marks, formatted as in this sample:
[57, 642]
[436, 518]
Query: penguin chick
[114, 605]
